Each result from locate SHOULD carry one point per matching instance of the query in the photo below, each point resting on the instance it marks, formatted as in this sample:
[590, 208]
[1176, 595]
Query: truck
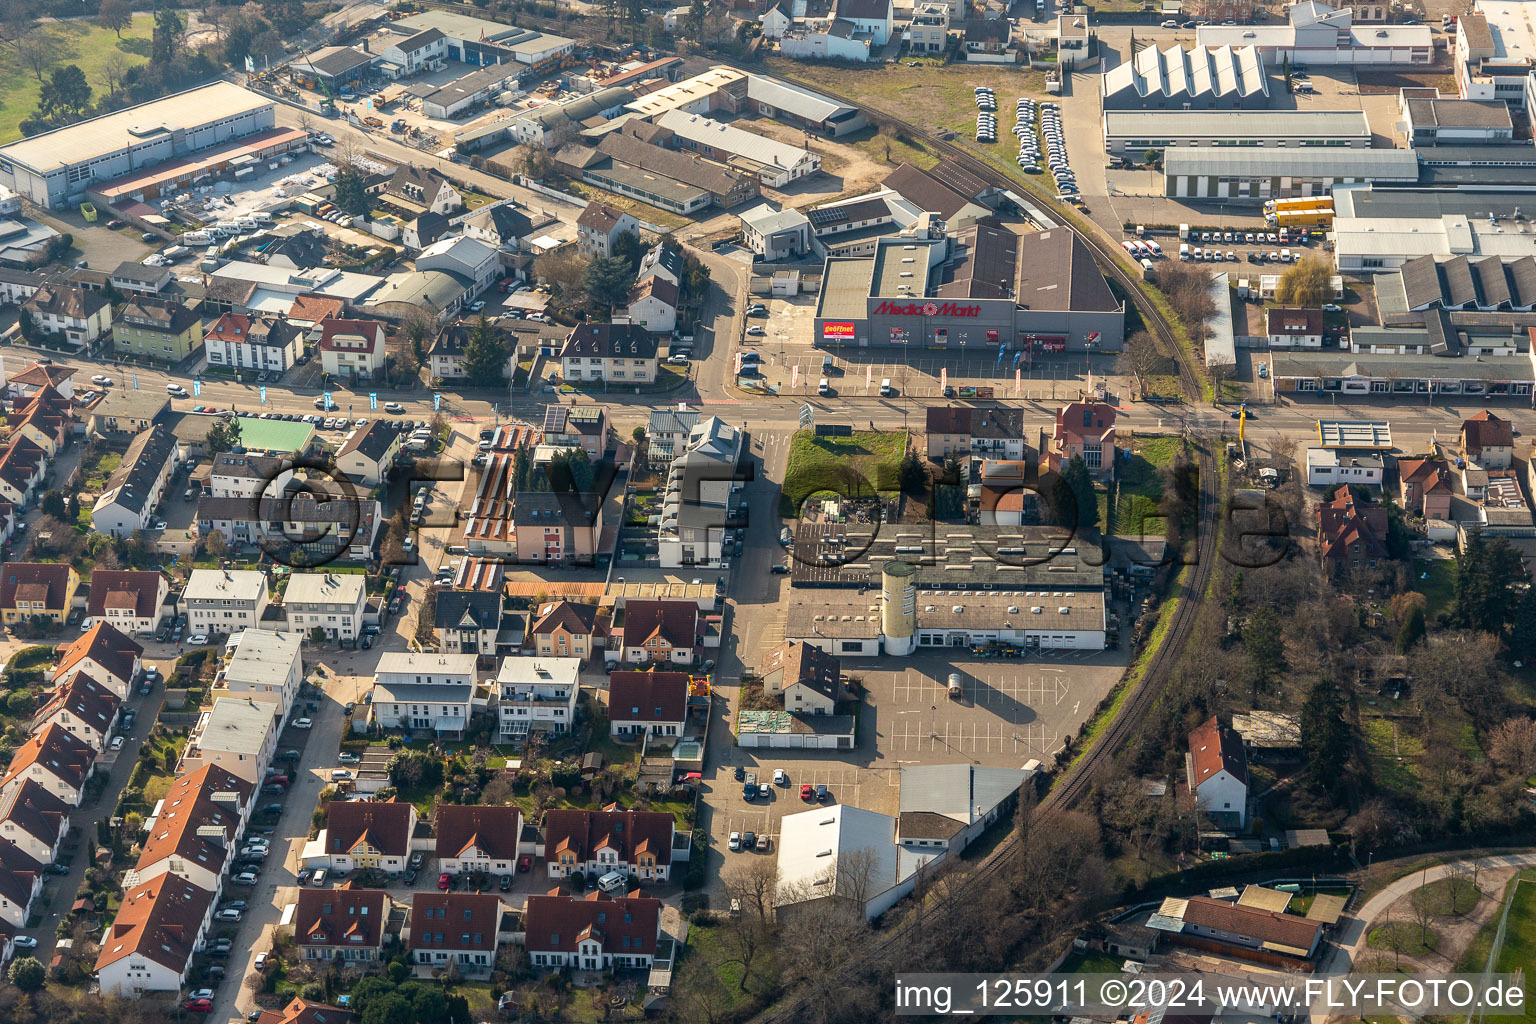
[373, 122]
[1304, 212]
[954, 685]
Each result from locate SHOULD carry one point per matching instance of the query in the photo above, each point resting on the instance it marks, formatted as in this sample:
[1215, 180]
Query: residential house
[467, 621]
[475, 837]
[422, 189]
[1004, 498]
[16, 286]
[424, 51]
[148, 947]
[664, 260]
[303, 1011]
[70, 312]
[776, 21]
[620, 353]
[36, 377]
[136, 488]
[345, 923]
[239, 734]
[700, 482]
[1216, 768]
[45, 417]
[443, 708]
[352, 349]
[778, 234]
[367, 455]
[809, 679]
[536, 695]
[1488, 441]
[251, 341]
[243, 475]
[1351, 535]
[962, 431]
[23, 464]
[599, 227]
[647, 702]
[123, 414]
[81, 706]
[873, 16]
[577, 426]
[36, 590]
[988, 37]
[635, 843]
[658, 632]
[155, 328]
[266, 666]
[332, 602]
[34, 819]
[829, 39]
[194, 832]
[446, 356]
[424, 669]
[562, 526]
[21, 882]
[1329, 467]
[565, 629]
[368, 834]
[134, 602]
[1292, 327]
[1424, 487]
[1085, 429]
[592, 933]
[55, 759]
[106, 654]
[309, 311]
[929, 31]
[458, 928]
[504, 226]
[224, 600]
[332, 525]
[135, 279]
[653, 304]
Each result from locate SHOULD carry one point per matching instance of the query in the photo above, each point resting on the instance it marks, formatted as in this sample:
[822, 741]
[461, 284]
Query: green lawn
[1442, 898]
[94, 478]
[1139, 486]
[1403, 937]
[1384, 746]
[1092, 962]
[1302, 901]
[856, 466]
[1436, 580]
[1519, 953]
[81, 42]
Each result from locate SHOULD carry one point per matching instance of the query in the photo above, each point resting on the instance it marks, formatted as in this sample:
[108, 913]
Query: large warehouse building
[56, 168]
[1036, 293]
[1218, 172]
[1132, 132]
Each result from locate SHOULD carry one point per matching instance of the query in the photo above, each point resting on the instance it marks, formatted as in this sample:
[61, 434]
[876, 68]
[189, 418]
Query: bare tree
[1393, 939]
[1140, 358]
[752, 884]
[1221, 370]
[1423, 913]
[39, 50]
[1512, 747]
[698, 994]
[112, 71]
[1460, 889]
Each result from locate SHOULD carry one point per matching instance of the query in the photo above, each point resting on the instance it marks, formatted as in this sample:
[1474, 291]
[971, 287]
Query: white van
[822, 387]
[886, 391]
[1184, 251]
[613, 882]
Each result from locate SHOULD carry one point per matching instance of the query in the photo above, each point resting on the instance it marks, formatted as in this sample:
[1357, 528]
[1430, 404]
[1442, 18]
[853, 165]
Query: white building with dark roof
[136, 488]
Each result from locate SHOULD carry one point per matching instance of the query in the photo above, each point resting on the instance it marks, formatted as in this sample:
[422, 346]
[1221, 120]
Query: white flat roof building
[1133, 132]
[242, 585]
[238, 735]
[266, 665]
[843, 851]
[772, 162]
[55, 166]
[411, 667]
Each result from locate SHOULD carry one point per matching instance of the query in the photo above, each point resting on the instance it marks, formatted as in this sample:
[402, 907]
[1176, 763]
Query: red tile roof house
[1216, 768]
[200, 821]
[368, 834]
[149, 945]
[657, 632]
[472, 837]
[1424, 487]
[21, 879]
[647, 702]
[457, 927]
[132, 601]
[112, 659]
[346, 923]
[84, 707]
[1086, 429]
[302, 1011]
[594, 933]
[1351, 535]
[1488, 441]
[55, 760]
[638, 843]
[35, 820]
[1232, 927]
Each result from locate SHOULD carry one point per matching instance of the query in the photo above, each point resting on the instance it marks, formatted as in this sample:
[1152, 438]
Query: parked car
[822, 794]
[261, 960]
[245, 878]
[198, 640]
[303, 723]
[117, 743]
[416, 859]
[444, 880]
[525, 862]
[227, 915]
[234, 904]
[807, 793]
[199, 1005]
[734, 843]
[25, 942]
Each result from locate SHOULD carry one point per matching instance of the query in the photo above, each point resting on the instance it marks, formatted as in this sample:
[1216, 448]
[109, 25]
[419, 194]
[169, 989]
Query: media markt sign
[924, 309]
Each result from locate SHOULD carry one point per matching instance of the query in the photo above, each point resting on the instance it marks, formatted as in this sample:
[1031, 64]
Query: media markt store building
[881, 302]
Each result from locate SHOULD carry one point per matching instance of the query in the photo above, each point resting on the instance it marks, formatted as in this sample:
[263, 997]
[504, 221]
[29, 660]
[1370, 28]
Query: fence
[1497, 948]
[1251, 340]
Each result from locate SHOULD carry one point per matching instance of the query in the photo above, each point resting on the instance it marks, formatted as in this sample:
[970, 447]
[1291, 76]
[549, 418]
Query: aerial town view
[526, 511]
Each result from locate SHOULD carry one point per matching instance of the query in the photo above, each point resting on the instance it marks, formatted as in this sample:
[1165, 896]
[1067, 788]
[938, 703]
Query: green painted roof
[278, 437]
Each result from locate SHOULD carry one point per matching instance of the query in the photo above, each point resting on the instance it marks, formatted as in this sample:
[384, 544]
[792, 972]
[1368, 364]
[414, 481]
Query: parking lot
[786, 342]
